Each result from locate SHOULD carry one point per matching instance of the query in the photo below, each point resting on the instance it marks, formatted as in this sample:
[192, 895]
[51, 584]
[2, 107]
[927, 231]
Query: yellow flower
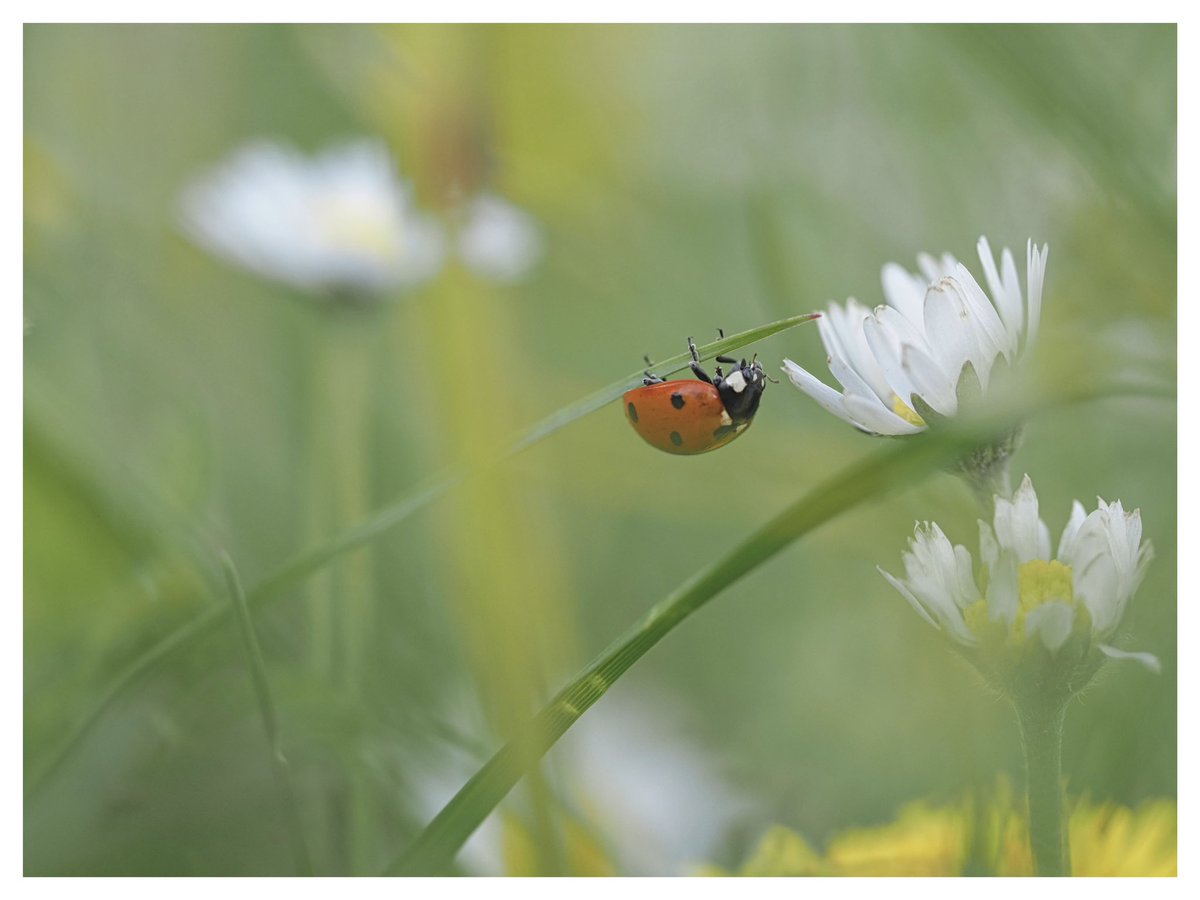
[922, 841]
[987, 839]
[583, 855]
[781, 853]
[1108, 840]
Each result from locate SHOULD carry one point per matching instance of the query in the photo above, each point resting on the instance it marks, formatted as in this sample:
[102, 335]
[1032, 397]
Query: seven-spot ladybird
[689, 417]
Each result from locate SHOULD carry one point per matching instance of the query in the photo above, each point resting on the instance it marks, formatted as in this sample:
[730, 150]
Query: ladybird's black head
[742, 389]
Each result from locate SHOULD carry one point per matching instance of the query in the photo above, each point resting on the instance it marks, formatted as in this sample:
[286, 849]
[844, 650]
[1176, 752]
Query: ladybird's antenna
[721, 333]
[646, 357]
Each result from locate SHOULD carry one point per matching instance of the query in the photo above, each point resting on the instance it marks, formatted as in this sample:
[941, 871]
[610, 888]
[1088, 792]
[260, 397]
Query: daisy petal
[1066, 544]
[1007, 305]
[1149, 660]
[1035, 274]
[1052, 622]
[904, 292]
[1018, 527]
[1003, 597]
[909, 596]
[829, 399]
[928, 380]
[952, 343]
[886, 351]
[872, 415]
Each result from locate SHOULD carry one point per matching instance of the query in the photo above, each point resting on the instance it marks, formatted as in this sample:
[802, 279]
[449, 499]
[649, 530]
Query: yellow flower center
[1041, 582]
[1038, 582]
[976, 617]
[357, 227]
[906, 412]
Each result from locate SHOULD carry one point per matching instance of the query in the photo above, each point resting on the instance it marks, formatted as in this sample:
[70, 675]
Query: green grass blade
[266, 708]
[381, 522]
[435, 848]
[182, 636]
[391, 516]
[902, 463]
[669, 366]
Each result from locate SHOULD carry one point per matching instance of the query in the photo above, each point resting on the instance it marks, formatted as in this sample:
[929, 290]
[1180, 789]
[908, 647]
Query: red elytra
[681, 417]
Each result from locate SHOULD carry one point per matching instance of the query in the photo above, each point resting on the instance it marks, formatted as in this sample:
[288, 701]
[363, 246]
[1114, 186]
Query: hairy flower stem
[985, 469]
[1041, 734]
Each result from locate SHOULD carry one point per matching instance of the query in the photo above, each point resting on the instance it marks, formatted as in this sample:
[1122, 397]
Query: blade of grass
[374, 527]
[435, 848]
[266, 708]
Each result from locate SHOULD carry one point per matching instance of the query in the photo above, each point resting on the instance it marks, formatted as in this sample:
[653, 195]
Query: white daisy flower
[630, 774]
[498, 241]
[340, 222]
[939, 332]
[1023, 592]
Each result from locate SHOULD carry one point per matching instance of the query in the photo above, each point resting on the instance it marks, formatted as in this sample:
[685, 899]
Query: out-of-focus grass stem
[512, 599]
[900, 464]
[301, 566]
[324, 549]
[437, 845]
[341, 599]
[266, 707]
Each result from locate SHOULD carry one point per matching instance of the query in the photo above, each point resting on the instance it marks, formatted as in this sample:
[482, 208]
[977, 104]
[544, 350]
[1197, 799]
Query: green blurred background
[685, 178]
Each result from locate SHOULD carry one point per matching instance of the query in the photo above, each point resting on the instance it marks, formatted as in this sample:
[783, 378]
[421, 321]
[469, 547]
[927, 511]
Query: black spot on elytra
[677, 401]
[724, 430]
[632, 413]
[676, 438]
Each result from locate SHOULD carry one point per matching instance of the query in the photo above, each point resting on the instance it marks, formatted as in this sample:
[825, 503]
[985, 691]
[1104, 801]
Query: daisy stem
[341, 598]
[1041, 734]
[985, 469]
[349, 424]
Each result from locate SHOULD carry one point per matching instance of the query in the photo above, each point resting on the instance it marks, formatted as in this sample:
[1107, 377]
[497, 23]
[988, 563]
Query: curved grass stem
[266, 707]
[435, 848]
[372, 528]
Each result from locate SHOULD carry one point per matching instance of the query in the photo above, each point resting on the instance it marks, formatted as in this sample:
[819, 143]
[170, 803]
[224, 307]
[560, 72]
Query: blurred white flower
[658, 798]
[497, 240]
[342, 221]
[937, 339]
[654, 801]
[1023, 592]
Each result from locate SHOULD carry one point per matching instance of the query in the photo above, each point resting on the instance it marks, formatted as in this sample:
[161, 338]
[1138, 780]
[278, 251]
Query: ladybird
[690, 417]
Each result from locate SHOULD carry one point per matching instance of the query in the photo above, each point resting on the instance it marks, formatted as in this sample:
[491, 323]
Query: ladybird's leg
[726, 359]
[695, 363]
[700, 373]
[651, 378]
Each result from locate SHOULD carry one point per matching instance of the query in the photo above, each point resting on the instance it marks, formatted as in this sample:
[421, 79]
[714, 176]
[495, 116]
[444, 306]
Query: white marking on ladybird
[725, 419]
[737, 381]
